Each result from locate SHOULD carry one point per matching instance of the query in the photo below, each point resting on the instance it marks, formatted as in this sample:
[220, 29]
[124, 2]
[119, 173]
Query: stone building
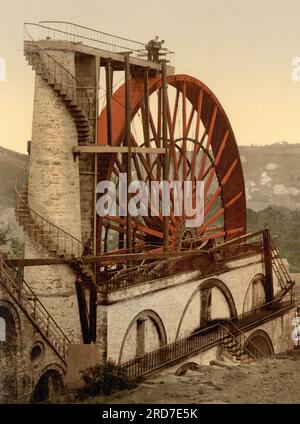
[191, 292]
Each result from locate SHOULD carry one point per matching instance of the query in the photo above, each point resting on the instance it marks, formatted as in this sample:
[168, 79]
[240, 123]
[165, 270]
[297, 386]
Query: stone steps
[67, 95]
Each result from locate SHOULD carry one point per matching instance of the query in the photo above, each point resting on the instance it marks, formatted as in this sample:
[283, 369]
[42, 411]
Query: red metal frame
[206, 149]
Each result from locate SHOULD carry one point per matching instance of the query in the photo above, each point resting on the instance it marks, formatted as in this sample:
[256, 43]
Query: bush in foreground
[103, 379]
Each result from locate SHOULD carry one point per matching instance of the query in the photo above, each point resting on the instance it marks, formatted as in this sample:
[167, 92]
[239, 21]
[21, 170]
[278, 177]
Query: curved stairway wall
[53, 186]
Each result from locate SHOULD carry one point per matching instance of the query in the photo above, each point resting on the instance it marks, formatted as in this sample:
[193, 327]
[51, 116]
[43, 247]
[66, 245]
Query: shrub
[103, 379]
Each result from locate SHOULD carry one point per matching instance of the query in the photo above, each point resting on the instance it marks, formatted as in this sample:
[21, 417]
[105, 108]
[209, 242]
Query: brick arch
[146, 313]
[207, 285]
[256, 278]
[260, 344]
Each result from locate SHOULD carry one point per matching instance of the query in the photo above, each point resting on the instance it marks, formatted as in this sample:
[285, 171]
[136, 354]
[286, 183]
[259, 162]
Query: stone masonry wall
[20, 374]
[54, 194]
[176, 301]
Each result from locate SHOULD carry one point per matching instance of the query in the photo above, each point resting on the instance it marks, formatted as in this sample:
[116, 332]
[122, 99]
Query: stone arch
[9, 346]
[256, 293]
[3, 329]
[50, 380]
[260, 344]
[205, 289]
[8, 306]
[145, 333]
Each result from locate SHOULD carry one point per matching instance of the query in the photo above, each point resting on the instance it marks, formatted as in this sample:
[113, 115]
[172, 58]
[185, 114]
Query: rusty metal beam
[108, 75]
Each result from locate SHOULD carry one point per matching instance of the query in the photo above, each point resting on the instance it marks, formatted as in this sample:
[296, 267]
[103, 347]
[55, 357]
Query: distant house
[2, 69]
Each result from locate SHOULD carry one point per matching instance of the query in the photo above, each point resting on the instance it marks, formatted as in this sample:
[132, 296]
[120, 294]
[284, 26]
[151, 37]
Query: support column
[165, 145]
[268, 265]
[128, 144]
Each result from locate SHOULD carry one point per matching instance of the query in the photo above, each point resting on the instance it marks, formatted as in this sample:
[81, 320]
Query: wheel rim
[202, 146]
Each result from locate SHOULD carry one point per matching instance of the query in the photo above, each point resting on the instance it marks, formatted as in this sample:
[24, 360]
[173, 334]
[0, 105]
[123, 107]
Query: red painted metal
[201, 144]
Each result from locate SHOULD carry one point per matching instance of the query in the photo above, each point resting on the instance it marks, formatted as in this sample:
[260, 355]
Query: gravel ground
[271, 380]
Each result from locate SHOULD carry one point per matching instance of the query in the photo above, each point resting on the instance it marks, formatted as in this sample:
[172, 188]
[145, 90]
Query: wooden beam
[102, 258]
[97, 148]
[108, 257]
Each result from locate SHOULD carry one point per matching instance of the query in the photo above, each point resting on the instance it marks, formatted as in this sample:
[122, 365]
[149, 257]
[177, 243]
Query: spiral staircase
[55, 241]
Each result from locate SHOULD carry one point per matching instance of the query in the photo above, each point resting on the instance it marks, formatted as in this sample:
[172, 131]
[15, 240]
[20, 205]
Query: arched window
[2, 330]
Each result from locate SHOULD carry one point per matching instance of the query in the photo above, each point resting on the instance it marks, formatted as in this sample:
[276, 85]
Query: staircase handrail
[36, 43]
[26, 295]
[246, 339]
[84, 247]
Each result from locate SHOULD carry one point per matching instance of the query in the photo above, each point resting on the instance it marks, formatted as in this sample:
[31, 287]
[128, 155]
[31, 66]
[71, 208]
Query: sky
[241, 49]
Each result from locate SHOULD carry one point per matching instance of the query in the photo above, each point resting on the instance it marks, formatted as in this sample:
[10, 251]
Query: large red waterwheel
[201, 146]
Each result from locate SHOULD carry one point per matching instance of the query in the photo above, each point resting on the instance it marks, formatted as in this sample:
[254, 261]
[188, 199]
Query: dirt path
[273, 380]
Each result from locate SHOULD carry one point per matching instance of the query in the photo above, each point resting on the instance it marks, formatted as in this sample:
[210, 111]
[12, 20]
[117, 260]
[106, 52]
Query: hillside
[11, 164]
[272, 175]
[285, 230]
[272, 179]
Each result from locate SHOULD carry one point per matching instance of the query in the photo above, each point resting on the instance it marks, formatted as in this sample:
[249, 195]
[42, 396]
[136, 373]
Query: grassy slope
[11, 164]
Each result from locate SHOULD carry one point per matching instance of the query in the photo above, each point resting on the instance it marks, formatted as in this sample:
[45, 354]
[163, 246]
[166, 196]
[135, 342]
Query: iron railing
[215, 259]
[118, 279]
[279, 268]
[205, 338]
[68, 31]
[59, 73]
[14, 283]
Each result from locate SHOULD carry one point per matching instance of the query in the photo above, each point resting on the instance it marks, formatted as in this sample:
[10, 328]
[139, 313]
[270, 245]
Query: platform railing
[68, 31]
[111, 280]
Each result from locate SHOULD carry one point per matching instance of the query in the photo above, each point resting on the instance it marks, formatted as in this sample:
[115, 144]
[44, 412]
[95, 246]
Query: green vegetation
[285, 230]
[103, 380]
[11, 235]
[11, 163]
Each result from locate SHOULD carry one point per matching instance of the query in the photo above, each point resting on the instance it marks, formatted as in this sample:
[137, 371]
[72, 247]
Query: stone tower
[59, 203]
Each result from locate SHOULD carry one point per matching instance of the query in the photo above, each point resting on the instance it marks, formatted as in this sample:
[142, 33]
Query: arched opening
[50, 383]
[256, 294]
[8, 355]
[2, 330]
[145, 333]
[260, 344]
[210, 303]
